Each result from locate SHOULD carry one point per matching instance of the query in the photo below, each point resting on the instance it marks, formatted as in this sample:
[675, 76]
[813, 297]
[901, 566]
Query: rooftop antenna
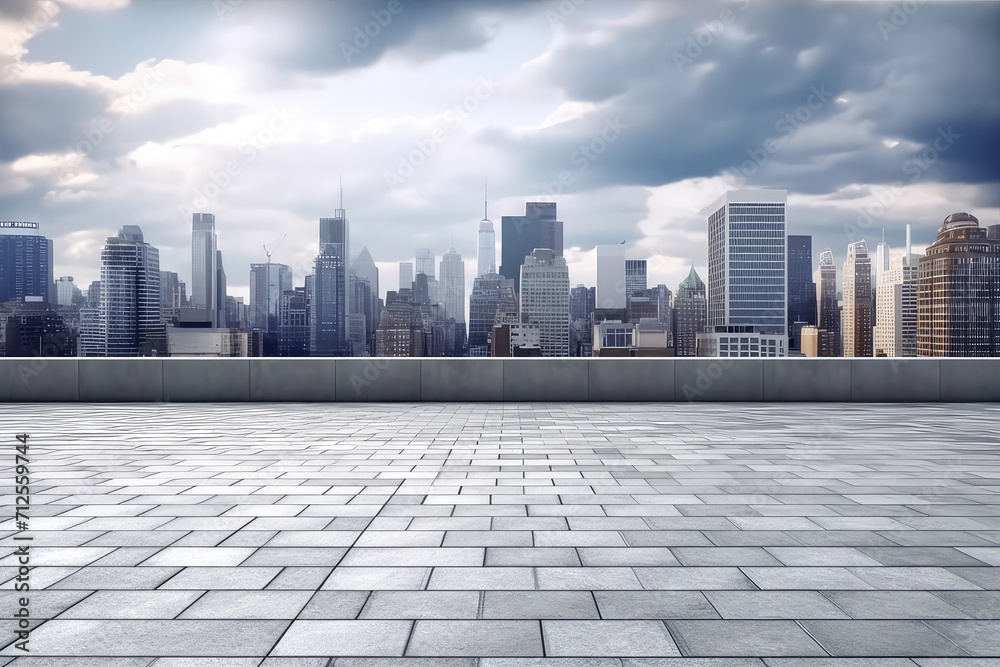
[485, 199]
[341, 192]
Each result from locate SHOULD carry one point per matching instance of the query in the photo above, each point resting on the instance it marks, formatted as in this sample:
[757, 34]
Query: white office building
[896, 310]
[545, 300]
[610, 294]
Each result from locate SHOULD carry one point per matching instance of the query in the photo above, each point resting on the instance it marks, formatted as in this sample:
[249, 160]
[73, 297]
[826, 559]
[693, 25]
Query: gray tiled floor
[494, 535]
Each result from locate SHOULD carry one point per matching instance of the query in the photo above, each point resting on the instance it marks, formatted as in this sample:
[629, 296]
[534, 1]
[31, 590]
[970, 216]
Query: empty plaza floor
[503, 535]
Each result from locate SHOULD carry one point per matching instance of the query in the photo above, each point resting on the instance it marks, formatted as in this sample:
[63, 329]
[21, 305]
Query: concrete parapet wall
[378, 379]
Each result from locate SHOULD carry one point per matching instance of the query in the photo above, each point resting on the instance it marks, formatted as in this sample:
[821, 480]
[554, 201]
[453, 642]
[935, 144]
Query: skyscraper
[881, 264]
[958, 291]
[220, 292]
[747, 276]
[896, 312]
[690, 314]
[635, 276]
[25, 262]
[330, 306]
[268, 282]
[425, 262]
[173, 295]
[204, 266]
[521, 234]
[487, 257]
[453, 285]
[130, 296]
[611, 292]
[405, 275]
[483, 304]
[544, 300]
[828, 310]
[801, 288]
[365, 272]
[856, 320]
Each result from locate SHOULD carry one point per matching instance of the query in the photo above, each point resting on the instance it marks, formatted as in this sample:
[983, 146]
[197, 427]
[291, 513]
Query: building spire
[341, 192]
[485, 199]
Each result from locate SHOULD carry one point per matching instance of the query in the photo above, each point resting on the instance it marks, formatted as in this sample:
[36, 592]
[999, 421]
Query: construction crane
[269, 249]
[273, 245]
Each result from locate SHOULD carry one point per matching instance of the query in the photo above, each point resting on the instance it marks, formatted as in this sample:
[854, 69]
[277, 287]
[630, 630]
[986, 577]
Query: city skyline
[545, 81]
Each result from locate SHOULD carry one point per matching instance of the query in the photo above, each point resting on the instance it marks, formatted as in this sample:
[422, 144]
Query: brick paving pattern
[503, 535]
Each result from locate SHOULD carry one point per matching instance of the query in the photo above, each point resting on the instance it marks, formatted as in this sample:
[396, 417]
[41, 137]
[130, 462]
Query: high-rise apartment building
[747, 275]
[521, 234]
[827, 307]
[453, 285]
[26, 261]
[330, 301]
[204, 266]
[268, 282]
[856, 318]
[544, 300]
[130, 296]
[958, 291]
[801, 288]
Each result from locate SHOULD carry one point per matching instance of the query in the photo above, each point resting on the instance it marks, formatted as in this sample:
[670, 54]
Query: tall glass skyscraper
[268, 282]
[747, 278]
[801, 288]
[330, 306]
[204, 265]
[130, 323]
[452, 285]
[25, 262]
[537, 228]
[483, 304]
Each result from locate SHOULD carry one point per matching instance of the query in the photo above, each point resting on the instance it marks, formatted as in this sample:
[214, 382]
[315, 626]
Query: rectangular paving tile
[881, 638]
[421, 604]
[475, 638]
[349, 638]
[539, 604]
[156, 638]
[607, 638]
[743, 638]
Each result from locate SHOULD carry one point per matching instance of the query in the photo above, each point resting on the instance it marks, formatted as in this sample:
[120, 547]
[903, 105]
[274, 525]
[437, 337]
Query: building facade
[544, 300]
[856, 317]
[26, 261]
[801, 288]
[204, 265]
[452, 285]
[958, 291]
[521, 234]
[268, 282]
[330, 299]
[747, 269]
[130, 297]
[827, 306]
[690, 312]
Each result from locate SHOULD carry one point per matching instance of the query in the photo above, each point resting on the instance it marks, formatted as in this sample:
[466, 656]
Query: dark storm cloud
[697, 102]
[333, 36]
[38, 118]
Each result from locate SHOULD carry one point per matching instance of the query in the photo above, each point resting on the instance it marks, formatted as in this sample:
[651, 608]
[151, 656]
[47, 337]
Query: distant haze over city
[632, 116]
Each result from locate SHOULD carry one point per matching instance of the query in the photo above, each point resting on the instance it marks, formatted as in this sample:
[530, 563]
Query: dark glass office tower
[329, 335]
[25, 262]
[521, 234]
[801, 288]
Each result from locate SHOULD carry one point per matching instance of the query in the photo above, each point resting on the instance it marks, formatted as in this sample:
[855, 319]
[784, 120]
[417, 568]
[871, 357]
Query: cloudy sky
[633, 116]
